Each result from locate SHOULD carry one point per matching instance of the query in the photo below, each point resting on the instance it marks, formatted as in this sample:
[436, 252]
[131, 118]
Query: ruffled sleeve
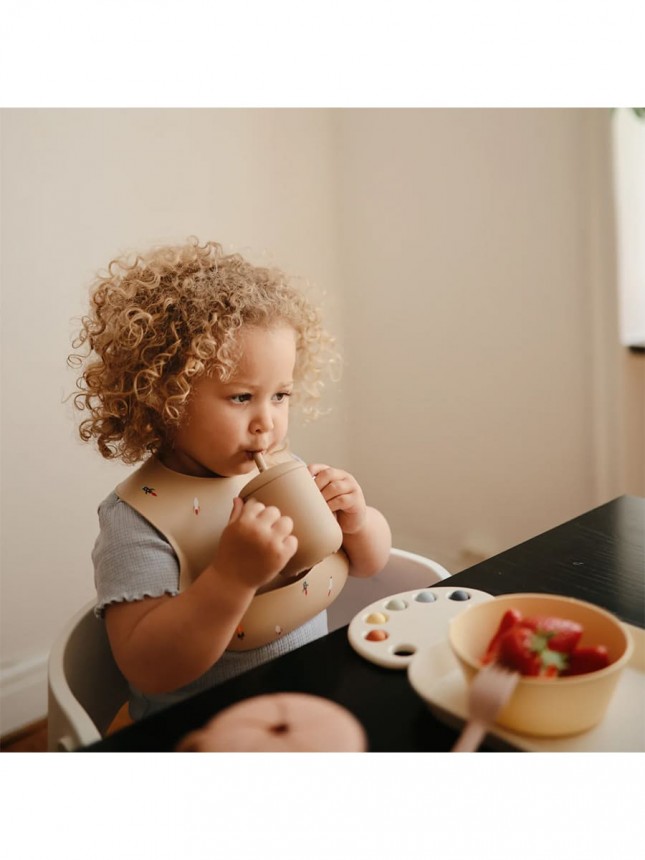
[132, 560]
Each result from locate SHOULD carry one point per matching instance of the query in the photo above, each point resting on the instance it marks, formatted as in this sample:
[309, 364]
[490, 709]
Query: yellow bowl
[548, 707]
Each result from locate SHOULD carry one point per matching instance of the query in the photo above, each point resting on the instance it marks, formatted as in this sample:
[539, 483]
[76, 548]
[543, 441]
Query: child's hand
[256, 543]
[343, 494]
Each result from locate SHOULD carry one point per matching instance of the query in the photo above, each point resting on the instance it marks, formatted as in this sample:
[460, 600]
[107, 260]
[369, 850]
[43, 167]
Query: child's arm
[367, 538]
[163, 643]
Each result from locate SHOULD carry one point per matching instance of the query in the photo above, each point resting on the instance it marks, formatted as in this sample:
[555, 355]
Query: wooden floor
[31, 738]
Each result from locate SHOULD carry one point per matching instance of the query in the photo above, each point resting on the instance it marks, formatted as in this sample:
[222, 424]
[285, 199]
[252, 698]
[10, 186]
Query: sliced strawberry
[543, 645]
[516, 651]
[510, 618]
[562, 634]
[584, 660]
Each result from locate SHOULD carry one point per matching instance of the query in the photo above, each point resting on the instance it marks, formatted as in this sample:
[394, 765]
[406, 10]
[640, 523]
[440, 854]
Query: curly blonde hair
[159, 321]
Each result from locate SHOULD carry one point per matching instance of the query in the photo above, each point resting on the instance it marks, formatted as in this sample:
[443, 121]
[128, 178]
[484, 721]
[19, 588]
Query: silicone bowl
[547, 707]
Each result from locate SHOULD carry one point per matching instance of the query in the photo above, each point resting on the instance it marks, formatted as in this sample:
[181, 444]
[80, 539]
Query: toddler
[190, 359]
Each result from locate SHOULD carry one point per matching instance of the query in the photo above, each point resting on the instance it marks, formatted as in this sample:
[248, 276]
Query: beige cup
[292, 489]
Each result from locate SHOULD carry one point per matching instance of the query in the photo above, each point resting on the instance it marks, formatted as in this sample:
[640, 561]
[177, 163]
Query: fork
[489, 691]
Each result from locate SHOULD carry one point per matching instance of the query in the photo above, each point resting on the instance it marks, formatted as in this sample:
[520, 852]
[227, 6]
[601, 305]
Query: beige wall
[468, 261]
[77, 187]
[633, 464]
[477, 255]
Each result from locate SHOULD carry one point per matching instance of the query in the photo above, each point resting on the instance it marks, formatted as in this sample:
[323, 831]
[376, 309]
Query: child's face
[225, 423]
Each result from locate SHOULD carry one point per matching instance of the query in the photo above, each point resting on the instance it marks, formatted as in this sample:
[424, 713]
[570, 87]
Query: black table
[598, 557]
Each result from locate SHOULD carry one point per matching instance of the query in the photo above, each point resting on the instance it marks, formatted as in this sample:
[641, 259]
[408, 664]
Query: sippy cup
[292, 489]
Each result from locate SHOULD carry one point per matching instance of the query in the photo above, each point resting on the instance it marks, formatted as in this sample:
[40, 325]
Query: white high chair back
[403, 572]
[85, 686]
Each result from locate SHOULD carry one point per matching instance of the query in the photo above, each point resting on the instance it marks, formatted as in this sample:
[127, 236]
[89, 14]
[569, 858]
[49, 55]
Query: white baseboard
[23, 693]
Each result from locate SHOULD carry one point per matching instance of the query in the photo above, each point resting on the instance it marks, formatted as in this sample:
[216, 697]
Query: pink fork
[489, 691]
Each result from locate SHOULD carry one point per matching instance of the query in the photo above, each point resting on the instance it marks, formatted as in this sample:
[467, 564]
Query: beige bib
[191, 514]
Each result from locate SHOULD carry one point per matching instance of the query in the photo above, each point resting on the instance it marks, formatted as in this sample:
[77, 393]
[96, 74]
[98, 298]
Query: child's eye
[282, 395]
[240, 398]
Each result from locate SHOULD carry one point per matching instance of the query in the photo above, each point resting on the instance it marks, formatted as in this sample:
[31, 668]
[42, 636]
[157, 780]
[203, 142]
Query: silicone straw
[259, 461]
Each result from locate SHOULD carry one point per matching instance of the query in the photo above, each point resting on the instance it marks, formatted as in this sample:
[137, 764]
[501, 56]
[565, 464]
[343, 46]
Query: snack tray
[408, 622]
[437, 678]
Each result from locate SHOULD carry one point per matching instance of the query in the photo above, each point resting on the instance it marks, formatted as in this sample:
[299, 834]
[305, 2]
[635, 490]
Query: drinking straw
[259, 461]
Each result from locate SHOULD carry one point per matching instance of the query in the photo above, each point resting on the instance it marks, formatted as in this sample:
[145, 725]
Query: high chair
[403, 572]
[85, 686]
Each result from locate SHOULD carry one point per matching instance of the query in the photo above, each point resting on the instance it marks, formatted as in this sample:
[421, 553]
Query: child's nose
[262, 421]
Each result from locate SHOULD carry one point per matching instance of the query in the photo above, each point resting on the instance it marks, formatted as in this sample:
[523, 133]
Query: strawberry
[562, 634]
[589, 659]
[543, 646]
[510, 618]
[528, 652]
[516, 651]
